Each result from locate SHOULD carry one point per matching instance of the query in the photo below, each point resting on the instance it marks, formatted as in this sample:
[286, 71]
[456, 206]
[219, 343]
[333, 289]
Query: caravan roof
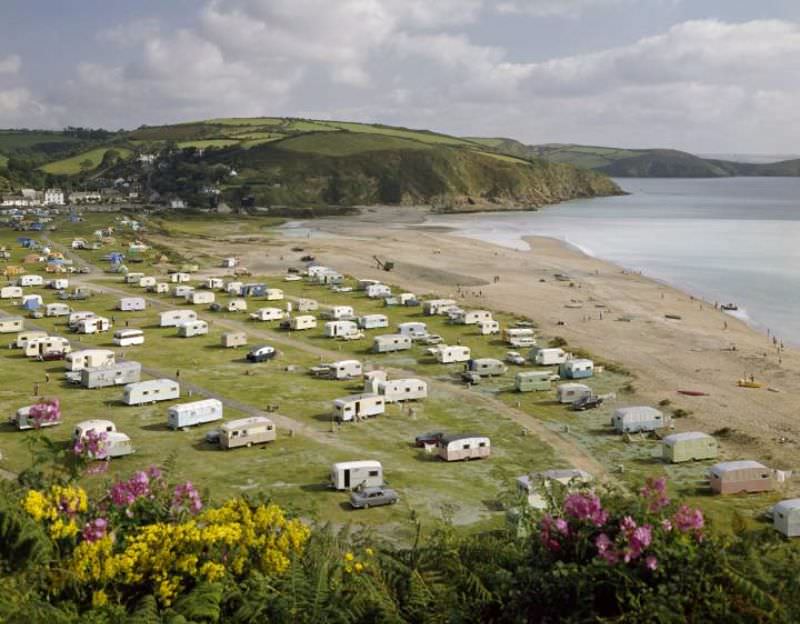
[686, 435]
[733, 466]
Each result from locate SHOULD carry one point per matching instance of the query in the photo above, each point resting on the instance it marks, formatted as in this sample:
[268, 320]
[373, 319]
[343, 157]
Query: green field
[13, 139]
[348, 144]
[208, 143]
[74, 164]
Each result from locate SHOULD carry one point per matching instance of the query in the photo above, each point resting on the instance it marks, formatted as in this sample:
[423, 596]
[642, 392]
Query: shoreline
[614, 314]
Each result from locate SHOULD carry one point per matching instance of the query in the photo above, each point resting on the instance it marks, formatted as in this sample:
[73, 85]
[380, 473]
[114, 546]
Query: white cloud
[551, 8]
[705, 85]
[10, 64]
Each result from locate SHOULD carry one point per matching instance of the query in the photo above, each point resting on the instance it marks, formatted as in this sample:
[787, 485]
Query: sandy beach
[615, 315]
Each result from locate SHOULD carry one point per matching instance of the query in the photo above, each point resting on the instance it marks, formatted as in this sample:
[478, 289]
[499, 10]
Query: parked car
[430, 437]
[373, 497]
[261, 353]
[584, 403]
[307, 259]
[215, 307]
[471, 377]
[212, 437]
[432, 339]
[512, 357]
[51, 356]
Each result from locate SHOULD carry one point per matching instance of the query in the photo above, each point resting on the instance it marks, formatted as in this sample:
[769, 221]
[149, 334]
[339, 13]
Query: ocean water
[726, 240]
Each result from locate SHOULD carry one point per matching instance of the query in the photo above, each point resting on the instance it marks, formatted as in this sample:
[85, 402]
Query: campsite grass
[293, 470]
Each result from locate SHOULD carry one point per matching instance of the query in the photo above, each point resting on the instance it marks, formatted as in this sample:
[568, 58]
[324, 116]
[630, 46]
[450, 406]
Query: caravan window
[373, 473]
[234, 434]
[764, 476]
[482, 444]
[244, 432]
[466, 447]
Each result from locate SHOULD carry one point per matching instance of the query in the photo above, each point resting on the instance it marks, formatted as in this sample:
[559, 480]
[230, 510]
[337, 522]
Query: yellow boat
[748, 383]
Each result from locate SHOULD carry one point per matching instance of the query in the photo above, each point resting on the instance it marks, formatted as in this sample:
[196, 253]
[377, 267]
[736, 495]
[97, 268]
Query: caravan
[233, 339]
[192, 328]
[89, 358]
[304, 321]
[576, 369]
[395, 390]
[182, 292]
[373, 321]
[358, 407]
[415, 329]
[463, 447]
[353, 474]
[26, 336]
[93, 325]
[186, 415]
[56, 309]
[378, 291]
[200, 297]
[246, 432]
[487, 367]
[173, 318]
[450, 354]
[267, 314]
[344, 369]
[273, 294]
[548, 357]
[118, 374]
[11, 324]
[113, 444]
[30, 280]
[342, 329]
[147, 282]
[338, 313]
[11, 292]
[49, 344]
[388, 343]
[151, 391]
[131, 304]
[638, 418]
[472, 317]
[128, 337]
[437, 307]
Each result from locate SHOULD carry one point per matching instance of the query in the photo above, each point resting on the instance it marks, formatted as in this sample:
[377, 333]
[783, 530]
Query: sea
[725, 240]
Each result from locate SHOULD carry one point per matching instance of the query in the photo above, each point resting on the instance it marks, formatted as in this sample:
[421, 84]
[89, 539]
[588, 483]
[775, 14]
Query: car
[307, 259]
[432, 339]
[584, 403]
[261, 353]
[212, 437]
[430, 437]
[51, 356]
[512, 357]
[471, 377]
[373, 497]
[292, 278]
[215, 307]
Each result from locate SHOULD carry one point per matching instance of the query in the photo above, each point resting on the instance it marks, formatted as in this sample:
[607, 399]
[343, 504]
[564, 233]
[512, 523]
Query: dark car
[261, 354]
[51, 356]
[307, 259]
[585, 403]
[431, 437]
[373, 497]
[471, 377]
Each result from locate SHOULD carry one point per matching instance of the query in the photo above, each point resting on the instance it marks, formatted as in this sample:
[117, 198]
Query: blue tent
[116, 257]
[26, 242]
[31, 304]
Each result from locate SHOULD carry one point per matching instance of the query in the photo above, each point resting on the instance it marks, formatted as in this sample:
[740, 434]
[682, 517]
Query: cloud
[10, 64]
[553, 8]
[706, 85]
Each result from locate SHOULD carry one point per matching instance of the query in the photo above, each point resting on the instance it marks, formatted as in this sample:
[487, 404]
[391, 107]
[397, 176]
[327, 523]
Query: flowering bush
[45, 412]
[144, 537]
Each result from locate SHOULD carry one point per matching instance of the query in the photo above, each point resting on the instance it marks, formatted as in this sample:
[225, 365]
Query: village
[328, 392]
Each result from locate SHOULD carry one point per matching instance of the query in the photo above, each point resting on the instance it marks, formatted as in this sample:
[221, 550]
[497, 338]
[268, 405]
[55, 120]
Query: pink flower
[562, 526]
[687, 519]
[95, 529]
[185, 496]
[586, 507]
[627, 524]
[602, 542]
[651, 563]
[642, 537]
[655, 491]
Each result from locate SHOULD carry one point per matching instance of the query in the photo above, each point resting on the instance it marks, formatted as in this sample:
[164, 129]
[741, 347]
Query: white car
[292, 278]
[512, 357]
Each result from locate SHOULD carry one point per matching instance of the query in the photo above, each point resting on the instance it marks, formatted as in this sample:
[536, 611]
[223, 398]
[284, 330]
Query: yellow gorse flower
[169, 557]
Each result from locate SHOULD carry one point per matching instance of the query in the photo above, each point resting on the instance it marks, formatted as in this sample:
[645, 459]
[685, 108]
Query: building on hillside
[85, 197]
[54, 197]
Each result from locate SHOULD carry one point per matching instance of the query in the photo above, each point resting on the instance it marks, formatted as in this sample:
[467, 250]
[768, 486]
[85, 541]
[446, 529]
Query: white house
[54, 197]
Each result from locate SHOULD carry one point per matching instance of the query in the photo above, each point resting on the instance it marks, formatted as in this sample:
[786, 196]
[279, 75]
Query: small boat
[693, 392]
[748, 383]
[730, 307]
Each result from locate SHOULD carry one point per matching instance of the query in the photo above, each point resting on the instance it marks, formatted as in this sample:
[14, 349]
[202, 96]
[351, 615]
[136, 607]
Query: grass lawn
[73, 164]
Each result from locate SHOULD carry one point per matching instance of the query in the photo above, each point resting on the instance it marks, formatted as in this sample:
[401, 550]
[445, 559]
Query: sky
[708, 76]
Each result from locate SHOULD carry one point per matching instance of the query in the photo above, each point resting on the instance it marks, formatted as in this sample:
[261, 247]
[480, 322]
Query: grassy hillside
[84, 161]
[286, 162]
[643, 163]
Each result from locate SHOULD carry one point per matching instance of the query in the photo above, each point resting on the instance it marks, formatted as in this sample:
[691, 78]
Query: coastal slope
[293, 164]
[640, 163]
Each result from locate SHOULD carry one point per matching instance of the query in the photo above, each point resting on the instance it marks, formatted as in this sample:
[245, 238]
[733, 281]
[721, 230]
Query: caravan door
[347, 478]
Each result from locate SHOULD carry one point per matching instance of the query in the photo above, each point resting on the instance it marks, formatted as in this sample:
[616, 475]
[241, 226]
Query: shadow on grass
[157, 427]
